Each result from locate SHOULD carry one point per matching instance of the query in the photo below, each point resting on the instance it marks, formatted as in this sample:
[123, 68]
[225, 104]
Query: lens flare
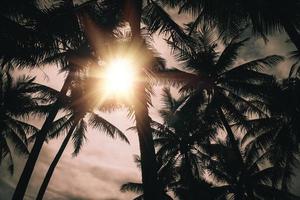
[119, 77]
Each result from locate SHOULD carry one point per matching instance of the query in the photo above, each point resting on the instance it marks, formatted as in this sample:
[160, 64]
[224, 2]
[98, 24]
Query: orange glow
[119, 77]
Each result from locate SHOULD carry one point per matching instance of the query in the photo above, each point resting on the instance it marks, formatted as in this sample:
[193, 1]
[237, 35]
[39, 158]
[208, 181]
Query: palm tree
[249, 178]
[19, 99]
[279, 132]
[155, 18]
[52, 37]
[179, 140]
[266, 17]
[133, 14]
[166, 176]
[69, 46]
[82, 103]
[212, 78]
[28, 46]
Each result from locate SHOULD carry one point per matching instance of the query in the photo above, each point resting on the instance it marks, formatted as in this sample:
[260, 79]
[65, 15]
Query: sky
[105, 164]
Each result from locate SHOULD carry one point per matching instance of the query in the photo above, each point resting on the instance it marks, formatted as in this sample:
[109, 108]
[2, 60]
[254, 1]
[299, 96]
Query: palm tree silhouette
[248, 178]
[71, 51]
[214, 80]
[82, 104]
[165, 178]
[266, 17]
[216, 93]
[278, 132]
[20, 98]
[133, 14]
[178, 141]
[155, 18]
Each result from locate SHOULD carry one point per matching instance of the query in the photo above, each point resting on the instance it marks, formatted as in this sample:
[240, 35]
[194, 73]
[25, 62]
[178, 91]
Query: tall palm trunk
[39, 141]
[230, 135]
[148, 159]
[236, 150]
[227, 127]
[55, 161]
[188, 177]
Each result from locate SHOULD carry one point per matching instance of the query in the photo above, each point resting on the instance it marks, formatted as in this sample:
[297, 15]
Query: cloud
[97, 173]
[277, 44]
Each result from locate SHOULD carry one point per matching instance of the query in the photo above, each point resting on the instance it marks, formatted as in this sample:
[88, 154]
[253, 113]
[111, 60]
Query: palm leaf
[132, 187]
[96, 121]
[79, 137]
[157, 19]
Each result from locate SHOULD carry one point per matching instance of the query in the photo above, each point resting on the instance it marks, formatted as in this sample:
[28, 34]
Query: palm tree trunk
[292, 32]
[227, 127]
[133, 9]
[188, 177]
[236, 149]
[39, 141]
[230, 135]
[55, 161]
[148, 160]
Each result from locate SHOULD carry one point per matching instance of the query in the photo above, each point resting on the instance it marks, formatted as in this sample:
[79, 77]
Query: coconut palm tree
[83, 101]
[69, 46]
[133, 11]
[178, 141]
[147, 152]
[249, 178]
[20, 98]
[279, 132]
[28, 46]
[171, 187]
[166, 176]
[216, 80]
[208, 68]
[136, 12]
[266, 17]
[14, 15]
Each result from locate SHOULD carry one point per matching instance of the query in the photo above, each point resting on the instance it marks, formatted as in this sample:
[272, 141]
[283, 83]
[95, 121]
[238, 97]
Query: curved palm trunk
[292, 32]
[148, 159]
[227, 127]
[55, 161]
[39, 141]
[188, 177]
[236, 149]
[230, 134]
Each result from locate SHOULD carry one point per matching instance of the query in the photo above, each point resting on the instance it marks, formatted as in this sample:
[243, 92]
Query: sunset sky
[105, 164]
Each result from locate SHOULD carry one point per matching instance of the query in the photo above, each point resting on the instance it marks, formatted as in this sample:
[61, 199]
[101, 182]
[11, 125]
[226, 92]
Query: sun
[119, 77]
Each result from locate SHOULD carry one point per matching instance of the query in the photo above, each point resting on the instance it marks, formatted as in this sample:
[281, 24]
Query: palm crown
[13, 114]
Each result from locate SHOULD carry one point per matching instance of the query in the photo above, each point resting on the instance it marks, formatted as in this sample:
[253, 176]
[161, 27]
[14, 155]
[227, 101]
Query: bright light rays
[119, 77]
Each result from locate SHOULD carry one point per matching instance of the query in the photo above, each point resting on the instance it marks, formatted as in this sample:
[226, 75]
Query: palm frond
[132, 187]
[229, 55]
[157, 19]
[79, 137]
[98, 122]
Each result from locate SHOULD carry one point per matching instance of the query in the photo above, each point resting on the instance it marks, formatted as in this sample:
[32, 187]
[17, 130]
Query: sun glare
[119, 77]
